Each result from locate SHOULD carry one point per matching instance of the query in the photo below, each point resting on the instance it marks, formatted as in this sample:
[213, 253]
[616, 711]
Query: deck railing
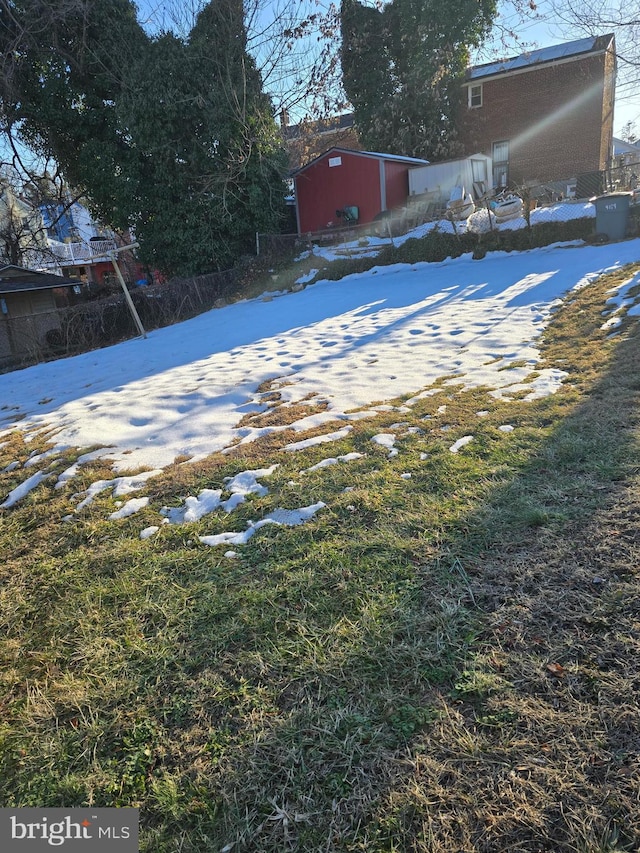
[93, 250]
[80, 253]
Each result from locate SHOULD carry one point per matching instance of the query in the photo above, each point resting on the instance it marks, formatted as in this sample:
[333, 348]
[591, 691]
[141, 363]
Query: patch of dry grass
[536, 748]
[441, 662]
[280, 414]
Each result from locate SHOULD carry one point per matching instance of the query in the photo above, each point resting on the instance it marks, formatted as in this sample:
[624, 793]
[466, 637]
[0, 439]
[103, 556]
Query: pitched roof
[535, 58]
[622, 147]
[410, 161]
[319, 126]
[14, 279]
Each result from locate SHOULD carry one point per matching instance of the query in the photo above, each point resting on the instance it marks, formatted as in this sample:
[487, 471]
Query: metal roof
[410, 161]
[539, 57]
[399, 157]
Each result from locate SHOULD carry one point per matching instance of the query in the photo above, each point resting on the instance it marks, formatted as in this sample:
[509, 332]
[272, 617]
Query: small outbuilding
[474, 174]
[28, 310]
[342, 187]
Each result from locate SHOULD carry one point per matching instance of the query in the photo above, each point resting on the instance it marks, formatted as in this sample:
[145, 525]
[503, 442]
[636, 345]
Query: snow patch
[284, 517]
[130, 508]
[460, 443]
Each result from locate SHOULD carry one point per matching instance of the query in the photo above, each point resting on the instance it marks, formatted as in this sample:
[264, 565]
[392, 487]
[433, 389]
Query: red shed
[340, 179]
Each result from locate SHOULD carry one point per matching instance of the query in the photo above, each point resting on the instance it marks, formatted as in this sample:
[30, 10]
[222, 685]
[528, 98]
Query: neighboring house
[342, 187]
[67, 221]
[80, 248]
[54, 237]
[310, 139]
[625, 153]
[625, 169]
[22, 231]
[59, 221]
[29, 300]
[91, 262]
[88, 260]
[546, 115]
[77, 246]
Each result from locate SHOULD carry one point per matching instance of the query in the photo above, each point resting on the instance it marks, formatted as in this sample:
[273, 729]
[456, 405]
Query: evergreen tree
[403, 66]
[172, 138]
[209, 170]
[63, 87]
[246, 162]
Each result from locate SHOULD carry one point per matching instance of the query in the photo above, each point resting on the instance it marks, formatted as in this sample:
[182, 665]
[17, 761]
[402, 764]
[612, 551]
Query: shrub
[436, 245]
[343, 267]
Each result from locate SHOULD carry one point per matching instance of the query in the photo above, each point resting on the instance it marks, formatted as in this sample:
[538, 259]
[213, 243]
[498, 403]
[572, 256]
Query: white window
[335, 161]
[479, 170]
[475, 96]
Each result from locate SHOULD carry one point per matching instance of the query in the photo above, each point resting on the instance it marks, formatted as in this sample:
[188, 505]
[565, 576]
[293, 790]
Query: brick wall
[557, 118]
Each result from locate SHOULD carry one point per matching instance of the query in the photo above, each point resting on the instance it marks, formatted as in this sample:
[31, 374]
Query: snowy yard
[349, 345]
[417, 618]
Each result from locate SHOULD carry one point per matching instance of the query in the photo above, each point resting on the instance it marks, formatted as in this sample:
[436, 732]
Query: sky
[354, 345]
[543, 28]
[538, 28]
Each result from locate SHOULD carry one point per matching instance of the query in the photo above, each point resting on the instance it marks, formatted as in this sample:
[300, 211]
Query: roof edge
[533, 59]
[371, 154]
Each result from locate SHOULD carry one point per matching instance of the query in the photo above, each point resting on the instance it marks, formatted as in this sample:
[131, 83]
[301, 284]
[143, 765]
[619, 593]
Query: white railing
[94, 250]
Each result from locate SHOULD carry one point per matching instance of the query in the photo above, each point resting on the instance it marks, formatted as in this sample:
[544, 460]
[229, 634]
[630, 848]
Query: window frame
[475, 89]
[500, 166]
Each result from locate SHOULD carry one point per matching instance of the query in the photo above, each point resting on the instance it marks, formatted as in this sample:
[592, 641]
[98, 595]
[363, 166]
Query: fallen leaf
[556, 669]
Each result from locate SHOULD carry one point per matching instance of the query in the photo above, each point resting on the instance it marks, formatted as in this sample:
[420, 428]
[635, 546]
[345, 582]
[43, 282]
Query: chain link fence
[559, 210]
[88, 325]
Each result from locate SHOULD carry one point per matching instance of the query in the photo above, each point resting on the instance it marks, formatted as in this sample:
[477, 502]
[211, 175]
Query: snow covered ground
[352, 344]
[478, 223]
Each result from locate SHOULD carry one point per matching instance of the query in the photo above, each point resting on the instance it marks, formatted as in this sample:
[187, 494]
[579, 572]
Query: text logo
[76, 830]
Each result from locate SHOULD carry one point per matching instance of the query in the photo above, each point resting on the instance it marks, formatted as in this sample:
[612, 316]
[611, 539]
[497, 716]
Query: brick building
[546, 115]
[309, 139]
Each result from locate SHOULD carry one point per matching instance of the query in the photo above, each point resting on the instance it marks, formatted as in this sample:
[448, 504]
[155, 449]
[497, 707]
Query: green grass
[374, 680]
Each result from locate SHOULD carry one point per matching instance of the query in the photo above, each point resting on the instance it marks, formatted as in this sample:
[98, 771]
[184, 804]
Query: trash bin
[612, 214]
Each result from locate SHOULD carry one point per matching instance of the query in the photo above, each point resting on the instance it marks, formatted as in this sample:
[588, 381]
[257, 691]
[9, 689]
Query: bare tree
[28, 185]
[629, 133]
[295, 44]
[509, 33]
[23, 236]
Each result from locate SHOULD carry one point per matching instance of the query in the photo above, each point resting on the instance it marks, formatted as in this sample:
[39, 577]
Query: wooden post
[125, 290]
